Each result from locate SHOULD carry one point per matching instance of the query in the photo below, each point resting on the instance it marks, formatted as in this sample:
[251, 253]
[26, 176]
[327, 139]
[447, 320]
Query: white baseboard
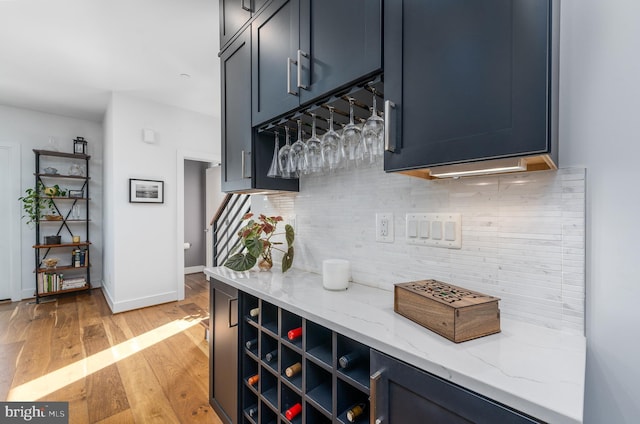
[142, 302]
[193, 269]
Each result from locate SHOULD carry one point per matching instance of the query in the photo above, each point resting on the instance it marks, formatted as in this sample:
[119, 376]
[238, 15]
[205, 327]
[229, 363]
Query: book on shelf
[49, 282]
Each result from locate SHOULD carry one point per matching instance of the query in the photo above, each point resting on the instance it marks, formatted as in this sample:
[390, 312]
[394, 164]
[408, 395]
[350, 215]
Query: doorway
[10, 225]
[181, 158]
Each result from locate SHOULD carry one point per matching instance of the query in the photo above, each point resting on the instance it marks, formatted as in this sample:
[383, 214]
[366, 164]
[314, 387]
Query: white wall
[32, 130]
[600, 129]
[140, 239]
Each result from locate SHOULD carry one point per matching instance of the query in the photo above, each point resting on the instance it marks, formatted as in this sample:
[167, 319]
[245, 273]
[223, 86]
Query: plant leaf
[287, 259]
[289, 234]
[254, 245]
[241, 262]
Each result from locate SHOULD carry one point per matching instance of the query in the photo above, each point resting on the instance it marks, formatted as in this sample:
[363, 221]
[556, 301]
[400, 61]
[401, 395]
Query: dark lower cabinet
[402, 394]
[223, 352]
[470, 80]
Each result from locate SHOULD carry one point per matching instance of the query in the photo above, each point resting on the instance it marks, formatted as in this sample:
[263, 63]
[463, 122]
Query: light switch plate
[434, 229]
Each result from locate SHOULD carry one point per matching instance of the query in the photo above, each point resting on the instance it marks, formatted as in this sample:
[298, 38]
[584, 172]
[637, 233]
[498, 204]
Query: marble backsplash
[523, 235]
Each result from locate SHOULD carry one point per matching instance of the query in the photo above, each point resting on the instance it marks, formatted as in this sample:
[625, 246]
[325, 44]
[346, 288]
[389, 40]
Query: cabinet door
[403, 394]
[343, 42]
[233, 15]
[470, 80]
[274, 52]
[236, 114]
[223, 384]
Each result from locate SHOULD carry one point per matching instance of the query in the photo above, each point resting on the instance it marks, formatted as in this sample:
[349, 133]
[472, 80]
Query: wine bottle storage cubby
[313, 416]
[348, 399]
[291, 370]
[319, 346]
[269, 318]
[251, 304]
[319, 387]
[269, 352]
[291, 329]
[356, 369]
[249, 372]
[291, 402]
[302, 372]
[269, 387]
[250, 402]
[267, 415]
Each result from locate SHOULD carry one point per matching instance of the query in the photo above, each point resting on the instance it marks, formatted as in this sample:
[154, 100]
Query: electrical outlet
[384, 227]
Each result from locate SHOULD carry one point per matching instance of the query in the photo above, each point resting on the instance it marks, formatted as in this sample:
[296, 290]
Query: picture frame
[76, 194]
[146, 191]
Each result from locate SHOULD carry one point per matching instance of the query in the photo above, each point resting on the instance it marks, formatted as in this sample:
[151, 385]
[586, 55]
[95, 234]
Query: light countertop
[532, 369]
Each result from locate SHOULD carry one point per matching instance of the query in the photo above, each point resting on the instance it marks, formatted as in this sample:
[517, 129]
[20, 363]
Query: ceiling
[67, 56]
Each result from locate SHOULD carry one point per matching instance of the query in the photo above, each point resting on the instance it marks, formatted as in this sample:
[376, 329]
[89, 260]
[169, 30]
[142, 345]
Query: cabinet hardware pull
[388, 105]
[248, 9]
[244, 164]
[289, 63]
[373, 380]
[229, 309]
[299, 66]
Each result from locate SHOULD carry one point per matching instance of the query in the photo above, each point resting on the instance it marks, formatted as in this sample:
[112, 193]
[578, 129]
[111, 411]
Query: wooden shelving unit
[324, 390]
[67, 227]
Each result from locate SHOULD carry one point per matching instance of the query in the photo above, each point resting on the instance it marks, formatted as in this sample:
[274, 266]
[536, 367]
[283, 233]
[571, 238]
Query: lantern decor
[80, 146]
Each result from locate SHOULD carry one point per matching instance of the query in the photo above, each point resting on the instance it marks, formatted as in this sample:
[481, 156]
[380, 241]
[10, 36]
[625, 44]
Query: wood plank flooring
[144, 366]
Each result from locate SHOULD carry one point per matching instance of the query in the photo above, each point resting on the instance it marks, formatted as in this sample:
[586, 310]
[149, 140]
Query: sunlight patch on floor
[53, 381]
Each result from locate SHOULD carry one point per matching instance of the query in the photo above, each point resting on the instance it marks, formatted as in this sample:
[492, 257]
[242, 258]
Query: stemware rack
[363, 95]
[323, 389]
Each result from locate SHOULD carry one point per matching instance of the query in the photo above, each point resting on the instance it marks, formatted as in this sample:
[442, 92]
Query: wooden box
[453, 312]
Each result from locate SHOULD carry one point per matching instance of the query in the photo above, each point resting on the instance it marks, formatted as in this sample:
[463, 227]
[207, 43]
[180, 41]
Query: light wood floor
[143, 366]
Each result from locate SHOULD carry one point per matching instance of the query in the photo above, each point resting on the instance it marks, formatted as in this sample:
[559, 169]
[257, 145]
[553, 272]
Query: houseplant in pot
[256, 245]
[38, 203]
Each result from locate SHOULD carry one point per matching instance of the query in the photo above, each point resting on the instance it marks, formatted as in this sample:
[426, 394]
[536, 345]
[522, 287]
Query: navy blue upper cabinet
[470, 80]
[234, 14]
[306, 49]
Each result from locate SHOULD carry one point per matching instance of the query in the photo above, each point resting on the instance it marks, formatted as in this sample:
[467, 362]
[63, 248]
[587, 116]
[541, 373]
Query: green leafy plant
[255, 243]
[38, 202]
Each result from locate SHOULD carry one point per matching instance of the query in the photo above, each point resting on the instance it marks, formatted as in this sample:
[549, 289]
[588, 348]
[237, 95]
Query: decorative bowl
[50, 262]
[50, 170]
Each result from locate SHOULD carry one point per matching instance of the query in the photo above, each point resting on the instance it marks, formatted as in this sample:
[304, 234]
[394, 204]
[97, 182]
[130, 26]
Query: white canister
[336, 274]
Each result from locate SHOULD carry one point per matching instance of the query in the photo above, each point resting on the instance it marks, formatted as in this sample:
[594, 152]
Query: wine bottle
[294, 369]
[254, 312]
[294, 333]
[253, 379]
[292, 412]
[349, 360]
[251, 344]
[271, 355]
[356, 411]
[253, 412]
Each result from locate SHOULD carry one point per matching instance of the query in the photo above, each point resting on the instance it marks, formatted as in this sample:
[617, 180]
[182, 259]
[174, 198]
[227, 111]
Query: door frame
[181, 156]
[15, 224]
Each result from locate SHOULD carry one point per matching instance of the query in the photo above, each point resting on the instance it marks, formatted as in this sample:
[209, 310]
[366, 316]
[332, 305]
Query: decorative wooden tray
[451, 311]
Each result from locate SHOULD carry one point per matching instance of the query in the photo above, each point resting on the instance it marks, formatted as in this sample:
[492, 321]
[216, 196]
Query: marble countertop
[535, 370]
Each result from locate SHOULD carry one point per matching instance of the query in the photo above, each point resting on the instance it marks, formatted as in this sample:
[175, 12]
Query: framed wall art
[146, 191]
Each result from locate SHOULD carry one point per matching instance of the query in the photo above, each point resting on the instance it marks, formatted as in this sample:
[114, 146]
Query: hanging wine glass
[298, 155]
[352, 139]
[331, 146]
[274, 172]
[314, 149]
[373, 133]
[283, 156]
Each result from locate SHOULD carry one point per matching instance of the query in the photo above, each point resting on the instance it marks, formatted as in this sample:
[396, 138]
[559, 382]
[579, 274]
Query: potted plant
[37, 203]
[255, 243]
